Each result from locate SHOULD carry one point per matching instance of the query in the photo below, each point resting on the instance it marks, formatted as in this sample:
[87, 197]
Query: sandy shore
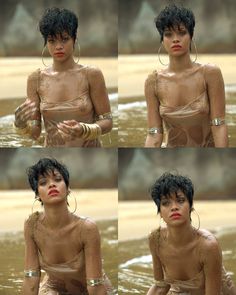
[134, 69]
[15, 206]
[14, 73]
[137, 219]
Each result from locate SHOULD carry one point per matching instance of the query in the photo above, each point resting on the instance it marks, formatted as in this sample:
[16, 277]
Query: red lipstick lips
[176, 47]
[175, 215]
[59, 53]
[53, 192]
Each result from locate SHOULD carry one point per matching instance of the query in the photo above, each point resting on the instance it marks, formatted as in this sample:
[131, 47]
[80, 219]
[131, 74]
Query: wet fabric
[184, 108]
[65, 96]
[195, 285]
[67, 278]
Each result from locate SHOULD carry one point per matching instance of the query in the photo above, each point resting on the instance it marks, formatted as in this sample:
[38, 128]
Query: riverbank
[15, 206]
[138, 218]
[134, 69]
[14, 73]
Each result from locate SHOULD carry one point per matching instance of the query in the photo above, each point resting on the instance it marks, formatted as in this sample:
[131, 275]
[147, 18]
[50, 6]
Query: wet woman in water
[185, 100]
[64, 245]
[186, 260]
[71, 98]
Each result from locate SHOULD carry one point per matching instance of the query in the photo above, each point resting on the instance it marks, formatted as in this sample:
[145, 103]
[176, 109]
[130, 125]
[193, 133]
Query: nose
[51, 184]
[59, 44]
[175, 38]
[174, 206]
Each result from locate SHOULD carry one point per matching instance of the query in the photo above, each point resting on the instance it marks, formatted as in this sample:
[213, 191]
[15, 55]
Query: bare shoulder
[89, 226]
[94, 73]
[151, 78]
[154, 237]
[34, 76]
[209, 243]
[212, 70]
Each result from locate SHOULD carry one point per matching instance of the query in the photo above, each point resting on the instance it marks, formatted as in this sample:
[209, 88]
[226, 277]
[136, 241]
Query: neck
[57, 216]
[63, 66]
[180, 63]
[180, 235]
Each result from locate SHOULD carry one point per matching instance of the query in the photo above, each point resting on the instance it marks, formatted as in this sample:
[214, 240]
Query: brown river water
[12, 257]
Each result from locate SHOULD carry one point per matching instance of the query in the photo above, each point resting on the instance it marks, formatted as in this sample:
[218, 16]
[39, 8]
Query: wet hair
[43, 168]
[172, 16]
[171, 183]
[55, 21]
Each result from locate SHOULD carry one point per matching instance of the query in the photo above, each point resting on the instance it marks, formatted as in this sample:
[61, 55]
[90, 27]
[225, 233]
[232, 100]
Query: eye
[51, 40]
[167, 34]
[58, 178]
[65, 39]
[181, 199]
[165, 202]
[183, 32]
[42, 182]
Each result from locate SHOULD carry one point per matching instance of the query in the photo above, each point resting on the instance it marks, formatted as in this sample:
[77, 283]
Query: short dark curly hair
[56, 21]
[42, 168]
[172, 16]
[170, 183]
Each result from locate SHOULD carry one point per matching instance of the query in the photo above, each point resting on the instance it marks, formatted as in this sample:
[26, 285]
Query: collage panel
[57, 207]
[176, 219]
[58, 80]
[176, 74]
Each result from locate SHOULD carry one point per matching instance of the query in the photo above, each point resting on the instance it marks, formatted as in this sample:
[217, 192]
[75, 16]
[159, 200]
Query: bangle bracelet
[155, 130]
[31, 273]
[95, 282]
[106, 116]
[161, 284]
[217, 122]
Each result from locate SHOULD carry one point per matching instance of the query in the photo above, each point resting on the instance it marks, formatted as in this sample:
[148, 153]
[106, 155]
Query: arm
[154, 118]
[212, 261]
[100, 98]
[157, 268]
[30, 284]
[216, 93]
[93, 261]
[27, 115]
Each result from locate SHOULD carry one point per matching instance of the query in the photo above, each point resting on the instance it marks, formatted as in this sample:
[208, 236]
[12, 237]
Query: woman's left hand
[70, 129]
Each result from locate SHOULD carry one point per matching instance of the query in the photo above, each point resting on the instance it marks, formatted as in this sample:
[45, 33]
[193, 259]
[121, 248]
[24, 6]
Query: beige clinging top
[184, 107]
[65, 96]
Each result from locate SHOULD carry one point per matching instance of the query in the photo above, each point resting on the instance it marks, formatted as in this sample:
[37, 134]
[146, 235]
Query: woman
[186, 260]
[186, 98]
[72, 98]
[65, 246]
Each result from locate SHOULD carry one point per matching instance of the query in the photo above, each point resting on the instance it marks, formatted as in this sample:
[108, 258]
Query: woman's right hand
[26, 111]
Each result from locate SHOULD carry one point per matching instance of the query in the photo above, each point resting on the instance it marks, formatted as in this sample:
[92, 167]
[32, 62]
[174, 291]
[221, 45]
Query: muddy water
[12, 257]
[133, 119]
[135, 263]
[9, 137]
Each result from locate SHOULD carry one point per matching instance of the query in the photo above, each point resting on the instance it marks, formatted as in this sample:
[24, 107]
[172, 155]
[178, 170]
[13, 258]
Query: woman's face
[177, 40]
[61, 46]
[52, 188]
[175, 209]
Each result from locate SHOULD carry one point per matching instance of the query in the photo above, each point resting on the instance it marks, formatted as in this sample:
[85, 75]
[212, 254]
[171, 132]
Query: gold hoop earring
[158, 53]
[75, 204]
[32, 207]
[42, 56]
[198, 217]
[78, 53]
[196, 54]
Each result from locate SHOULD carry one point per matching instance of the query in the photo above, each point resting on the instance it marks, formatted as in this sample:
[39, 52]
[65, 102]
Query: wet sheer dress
[68, 278]
[195, 285]
[186, 124]
[65, 96]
